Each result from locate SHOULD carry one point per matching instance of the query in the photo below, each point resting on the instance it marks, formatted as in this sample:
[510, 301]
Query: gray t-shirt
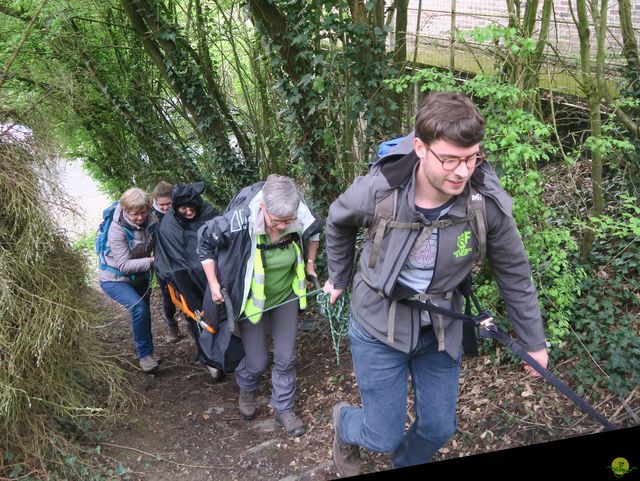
[417, 271]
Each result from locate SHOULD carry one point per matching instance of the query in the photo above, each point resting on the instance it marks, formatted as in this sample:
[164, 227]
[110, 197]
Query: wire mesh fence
[434, 28]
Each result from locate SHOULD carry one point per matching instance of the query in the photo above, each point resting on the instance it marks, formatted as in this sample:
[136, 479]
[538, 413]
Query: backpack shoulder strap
[476, 208]
[384, 213]
[129, 234]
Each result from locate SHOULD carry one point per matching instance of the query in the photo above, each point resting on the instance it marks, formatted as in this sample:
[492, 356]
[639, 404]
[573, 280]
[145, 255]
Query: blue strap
[119, 273]
[103, 263]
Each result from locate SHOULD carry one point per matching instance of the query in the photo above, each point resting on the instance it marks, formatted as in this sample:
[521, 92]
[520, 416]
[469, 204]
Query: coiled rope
[338, 316]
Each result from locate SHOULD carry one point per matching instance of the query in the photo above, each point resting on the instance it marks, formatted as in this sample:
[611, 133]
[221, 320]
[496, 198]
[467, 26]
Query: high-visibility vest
[255, 303]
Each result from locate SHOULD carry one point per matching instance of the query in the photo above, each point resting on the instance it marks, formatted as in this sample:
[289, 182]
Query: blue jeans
[135, 297]
[381, 373]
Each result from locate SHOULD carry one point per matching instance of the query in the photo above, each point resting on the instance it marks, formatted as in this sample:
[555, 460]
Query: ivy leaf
[164, 35]
[16, 471]
[318, 84]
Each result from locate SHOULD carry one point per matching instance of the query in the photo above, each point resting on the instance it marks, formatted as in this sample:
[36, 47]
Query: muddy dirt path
[187, 427]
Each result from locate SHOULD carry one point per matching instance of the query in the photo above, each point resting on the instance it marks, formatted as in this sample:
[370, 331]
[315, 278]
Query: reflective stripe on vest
[255, 303]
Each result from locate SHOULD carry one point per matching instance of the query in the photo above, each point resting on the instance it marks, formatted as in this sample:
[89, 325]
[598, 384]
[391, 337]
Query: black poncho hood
[176, 259]
[187, 195]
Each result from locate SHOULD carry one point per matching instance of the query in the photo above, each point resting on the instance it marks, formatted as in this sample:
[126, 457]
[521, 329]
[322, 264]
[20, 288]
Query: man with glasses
[260, 250]
[428, 248]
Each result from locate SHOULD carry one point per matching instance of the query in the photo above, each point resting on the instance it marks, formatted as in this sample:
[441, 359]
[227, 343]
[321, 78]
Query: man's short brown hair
[449, 116]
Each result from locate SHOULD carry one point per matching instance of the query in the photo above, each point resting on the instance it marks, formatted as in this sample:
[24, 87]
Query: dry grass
[54, 379]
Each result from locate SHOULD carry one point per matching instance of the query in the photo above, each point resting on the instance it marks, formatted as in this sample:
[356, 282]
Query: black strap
[281, 244]
[469, 337]
[485, 321]
[502, 337]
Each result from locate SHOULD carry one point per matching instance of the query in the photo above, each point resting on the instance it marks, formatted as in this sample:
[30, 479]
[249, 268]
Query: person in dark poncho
[177, 263]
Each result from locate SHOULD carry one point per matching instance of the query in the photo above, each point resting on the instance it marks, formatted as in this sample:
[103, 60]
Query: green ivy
[331, 90]
[606, 320]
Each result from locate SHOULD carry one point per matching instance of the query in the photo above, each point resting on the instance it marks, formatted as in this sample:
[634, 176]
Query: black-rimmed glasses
[451, 162]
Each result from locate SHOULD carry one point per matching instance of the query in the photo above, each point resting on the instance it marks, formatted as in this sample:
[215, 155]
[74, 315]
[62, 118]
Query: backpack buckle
[485, 320]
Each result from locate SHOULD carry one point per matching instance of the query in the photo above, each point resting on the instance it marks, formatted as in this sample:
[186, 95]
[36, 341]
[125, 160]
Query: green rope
[338, 315]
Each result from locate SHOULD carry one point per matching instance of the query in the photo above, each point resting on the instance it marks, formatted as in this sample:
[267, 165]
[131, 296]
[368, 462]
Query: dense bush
[53, 379]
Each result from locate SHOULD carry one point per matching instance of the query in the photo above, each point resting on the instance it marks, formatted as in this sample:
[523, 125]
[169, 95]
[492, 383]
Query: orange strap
[180, 302]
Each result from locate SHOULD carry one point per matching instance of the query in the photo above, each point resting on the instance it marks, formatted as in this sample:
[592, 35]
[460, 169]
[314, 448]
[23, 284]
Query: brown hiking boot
[346, 457]
[247, 404]
[173, 333]
[291, 423]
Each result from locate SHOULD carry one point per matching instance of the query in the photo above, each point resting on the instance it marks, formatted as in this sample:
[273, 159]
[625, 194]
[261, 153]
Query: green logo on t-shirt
[463, 248]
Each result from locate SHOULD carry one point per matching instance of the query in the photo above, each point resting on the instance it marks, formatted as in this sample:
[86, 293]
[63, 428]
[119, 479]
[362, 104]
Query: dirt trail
[188, 427]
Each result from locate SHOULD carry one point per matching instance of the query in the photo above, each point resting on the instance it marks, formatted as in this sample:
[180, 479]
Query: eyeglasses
[186, 208]
[276, 221]
[451, 162]
[137, 213]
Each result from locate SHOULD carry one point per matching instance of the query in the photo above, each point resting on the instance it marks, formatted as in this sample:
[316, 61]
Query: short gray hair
[281, 196]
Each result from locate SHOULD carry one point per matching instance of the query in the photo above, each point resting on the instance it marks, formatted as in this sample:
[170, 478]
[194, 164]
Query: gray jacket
[129, 260]
[372, 302]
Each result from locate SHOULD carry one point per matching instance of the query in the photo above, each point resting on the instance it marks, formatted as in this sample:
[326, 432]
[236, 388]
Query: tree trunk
[592, 87]
[378, 14]
[629, 43]
[213, 84]
[400, 59]
[168, 51]
[274, 26]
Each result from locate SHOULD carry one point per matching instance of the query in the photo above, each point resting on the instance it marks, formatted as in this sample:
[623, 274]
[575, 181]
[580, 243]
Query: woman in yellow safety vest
[260, 250]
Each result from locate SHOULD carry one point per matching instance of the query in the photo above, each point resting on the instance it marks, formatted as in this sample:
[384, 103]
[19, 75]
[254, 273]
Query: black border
[581, 457]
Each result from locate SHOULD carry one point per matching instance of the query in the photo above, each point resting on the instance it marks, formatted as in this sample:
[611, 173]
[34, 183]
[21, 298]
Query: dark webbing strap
[485, 321]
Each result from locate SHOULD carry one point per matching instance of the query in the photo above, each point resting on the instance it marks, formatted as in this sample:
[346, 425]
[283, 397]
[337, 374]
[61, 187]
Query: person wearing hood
[128, 263]
[177, 263]
[161, 205]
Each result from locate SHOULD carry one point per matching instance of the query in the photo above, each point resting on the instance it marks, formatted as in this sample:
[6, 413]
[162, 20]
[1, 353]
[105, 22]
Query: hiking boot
[173, 333]
[346, 457]
[148, 364]
[247, 404]
[291, 423]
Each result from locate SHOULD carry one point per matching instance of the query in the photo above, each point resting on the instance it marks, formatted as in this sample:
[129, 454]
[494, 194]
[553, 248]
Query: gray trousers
[282, 324]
